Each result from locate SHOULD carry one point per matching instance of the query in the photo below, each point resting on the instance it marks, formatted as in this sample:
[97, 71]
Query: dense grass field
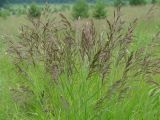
[58, 68]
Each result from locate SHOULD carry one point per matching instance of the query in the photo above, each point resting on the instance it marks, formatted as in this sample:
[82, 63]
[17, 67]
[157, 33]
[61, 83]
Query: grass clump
[34, 11]
[99, 9]
[4, 13]
[155, 1]
[80, 9]
[137, 2]
[119, 2]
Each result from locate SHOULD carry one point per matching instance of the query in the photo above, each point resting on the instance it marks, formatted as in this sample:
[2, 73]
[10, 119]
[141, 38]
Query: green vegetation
[119, 2]
[34, 11]
[4, 13]
[137, 2]
[80, 9]
[99, 9]
[155, 1]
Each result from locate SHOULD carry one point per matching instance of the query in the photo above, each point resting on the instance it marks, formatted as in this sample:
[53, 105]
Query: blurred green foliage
[80, 9]
[99, 9]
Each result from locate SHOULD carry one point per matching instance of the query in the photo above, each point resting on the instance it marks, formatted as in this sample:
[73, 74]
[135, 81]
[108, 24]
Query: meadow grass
[34, 95]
